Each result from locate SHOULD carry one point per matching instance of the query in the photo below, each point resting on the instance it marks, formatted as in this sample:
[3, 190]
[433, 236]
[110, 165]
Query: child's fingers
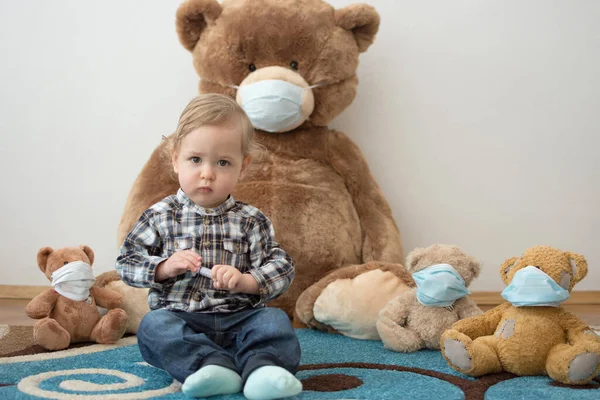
[227, 276]
[218, 271]
[190, 261]
[192, 256]
[233, 281]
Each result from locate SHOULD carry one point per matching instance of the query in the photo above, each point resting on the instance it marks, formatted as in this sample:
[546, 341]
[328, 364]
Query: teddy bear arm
[481, 325]
[106, 298]
[42, 305]
[467, 308]
[398, 308]
[575, 328]
[382, 240]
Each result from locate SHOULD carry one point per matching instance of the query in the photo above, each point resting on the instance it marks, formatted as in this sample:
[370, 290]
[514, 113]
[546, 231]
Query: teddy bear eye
[294, 65]
[65, 263]
[252, 67]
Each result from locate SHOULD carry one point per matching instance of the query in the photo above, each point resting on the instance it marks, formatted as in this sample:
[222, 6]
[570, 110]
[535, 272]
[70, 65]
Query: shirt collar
[220, 209]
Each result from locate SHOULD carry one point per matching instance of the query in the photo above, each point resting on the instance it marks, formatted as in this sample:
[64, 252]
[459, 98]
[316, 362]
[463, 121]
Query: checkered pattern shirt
[233, 233]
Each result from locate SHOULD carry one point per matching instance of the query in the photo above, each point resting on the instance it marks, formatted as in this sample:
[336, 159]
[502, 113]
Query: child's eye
[222, 163]
[196, 160]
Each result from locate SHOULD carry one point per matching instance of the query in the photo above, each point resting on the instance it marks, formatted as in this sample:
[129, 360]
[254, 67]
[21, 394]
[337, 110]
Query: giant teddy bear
[312, 182]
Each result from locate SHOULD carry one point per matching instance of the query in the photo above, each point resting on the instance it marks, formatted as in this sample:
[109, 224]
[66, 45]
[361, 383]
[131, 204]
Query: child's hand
[225, 276]
[179, 263]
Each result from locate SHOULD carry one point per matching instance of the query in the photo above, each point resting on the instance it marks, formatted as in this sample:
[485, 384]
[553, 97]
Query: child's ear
[174, 157]
[245, 164]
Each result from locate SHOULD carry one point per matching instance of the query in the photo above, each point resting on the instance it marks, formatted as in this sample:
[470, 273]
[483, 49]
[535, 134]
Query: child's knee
[153, 322]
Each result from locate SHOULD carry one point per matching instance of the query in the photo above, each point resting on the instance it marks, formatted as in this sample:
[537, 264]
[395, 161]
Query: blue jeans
[181, 342]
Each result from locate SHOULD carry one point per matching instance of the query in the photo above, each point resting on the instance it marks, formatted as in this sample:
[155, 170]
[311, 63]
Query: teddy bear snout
[261, 89]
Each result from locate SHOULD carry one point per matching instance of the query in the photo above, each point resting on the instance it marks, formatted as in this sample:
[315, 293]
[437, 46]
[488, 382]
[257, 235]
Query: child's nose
[208, 173]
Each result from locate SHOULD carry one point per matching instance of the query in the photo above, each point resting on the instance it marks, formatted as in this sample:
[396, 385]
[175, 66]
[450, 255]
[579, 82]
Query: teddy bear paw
[49, 334]
[584, 367]
[456, 352]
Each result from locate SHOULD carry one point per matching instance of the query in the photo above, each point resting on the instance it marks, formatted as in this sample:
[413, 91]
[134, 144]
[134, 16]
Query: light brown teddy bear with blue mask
[417, 318]
[530, 334]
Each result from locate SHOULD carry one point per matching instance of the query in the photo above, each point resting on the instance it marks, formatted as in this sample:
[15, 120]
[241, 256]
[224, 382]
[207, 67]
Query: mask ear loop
[316, 85]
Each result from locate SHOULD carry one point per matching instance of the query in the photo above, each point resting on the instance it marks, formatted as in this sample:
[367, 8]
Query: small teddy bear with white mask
[68, 311]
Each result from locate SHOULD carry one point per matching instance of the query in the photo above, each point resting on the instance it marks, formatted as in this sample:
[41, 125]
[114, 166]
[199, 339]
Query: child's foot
[212, 380]
[271, 382]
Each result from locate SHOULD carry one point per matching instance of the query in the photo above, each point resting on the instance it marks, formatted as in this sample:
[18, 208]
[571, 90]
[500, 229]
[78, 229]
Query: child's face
[209, 163]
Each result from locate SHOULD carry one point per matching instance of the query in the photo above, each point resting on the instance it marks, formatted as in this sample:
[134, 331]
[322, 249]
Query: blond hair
[213, 109]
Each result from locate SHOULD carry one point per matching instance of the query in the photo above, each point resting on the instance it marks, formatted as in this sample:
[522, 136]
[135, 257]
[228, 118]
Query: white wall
[479, 120]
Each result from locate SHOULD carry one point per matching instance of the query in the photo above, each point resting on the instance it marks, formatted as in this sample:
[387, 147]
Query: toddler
[211, 264]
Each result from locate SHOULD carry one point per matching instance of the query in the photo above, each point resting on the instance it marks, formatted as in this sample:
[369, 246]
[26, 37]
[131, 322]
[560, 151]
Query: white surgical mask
[273, 105]
[439, 285]
[74, 280]
[533, 287]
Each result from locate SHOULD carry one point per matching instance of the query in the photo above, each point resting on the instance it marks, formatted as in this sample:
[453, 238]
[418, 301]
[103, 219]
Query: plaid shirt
[233, 233]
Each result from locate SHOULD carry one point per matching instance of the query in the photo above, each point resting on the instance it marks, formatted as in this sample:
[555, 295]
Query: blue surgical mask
[532, 287]
[439, 285]
[273, 105]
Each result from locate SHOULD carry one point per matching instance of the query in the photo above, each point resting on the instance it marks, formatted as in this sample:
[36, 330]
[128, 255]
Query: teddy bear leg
[348, 300]
[49, 334]
[471, 357]
[396, 337]
[110, 328]
[574, 365]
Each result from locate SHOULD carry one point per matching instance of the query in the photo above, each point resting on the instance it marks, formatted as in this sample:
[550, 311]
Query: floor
[12, 312]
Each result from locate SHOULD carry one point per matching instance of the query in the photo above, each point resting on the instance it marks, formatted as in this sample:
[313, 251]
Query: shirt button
[197, 297]
[176, 245]
[206, 221]
[207, 243]
[239, 247]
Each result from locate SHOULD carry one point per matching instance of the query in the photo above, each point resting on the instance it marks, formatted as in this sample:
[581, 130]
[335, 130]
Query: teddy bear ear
[362, 20]
[88, 252]
[474, 265]
[506, 267]
[578, 265]
[412, 259]
[192, 17]
[42, 257]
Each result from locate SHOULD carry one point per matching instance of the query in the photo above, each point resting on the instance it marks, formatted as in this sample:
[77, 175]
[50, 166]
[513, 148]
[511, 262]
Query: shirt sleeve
[140, 255]
[272, 267]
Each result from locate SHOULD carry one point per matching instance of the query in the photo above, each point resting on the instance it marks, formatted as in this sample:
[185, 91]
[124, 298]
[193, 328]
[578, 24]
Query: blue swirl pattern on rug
[121, 374]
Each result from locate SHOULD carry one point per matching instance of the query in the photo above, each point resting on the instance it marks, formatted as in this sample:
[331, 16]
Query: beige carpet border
[591, 297]
[481, 298]
[20, 291]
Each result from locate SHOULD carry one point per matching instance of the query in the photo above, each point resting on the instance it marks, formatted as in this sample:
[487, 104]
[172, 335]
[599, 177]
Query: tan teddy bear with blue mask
[530, 334]
[417, 318]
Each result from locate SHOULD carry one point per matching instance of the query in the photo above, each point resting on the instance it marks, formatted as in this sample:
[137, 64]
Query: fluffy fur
[528, 340]
[63, 321]
[406, 325]
[312, 182]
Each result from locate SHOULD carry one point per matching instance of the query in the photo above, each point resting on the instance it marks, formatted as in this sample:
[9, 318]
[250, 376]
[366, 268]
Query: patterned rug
[333, 367]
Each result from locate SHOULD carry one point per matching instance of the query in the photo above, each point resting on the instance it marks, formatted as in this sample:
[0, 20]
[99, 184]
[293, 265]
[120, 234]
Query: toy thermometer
[204, 272]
